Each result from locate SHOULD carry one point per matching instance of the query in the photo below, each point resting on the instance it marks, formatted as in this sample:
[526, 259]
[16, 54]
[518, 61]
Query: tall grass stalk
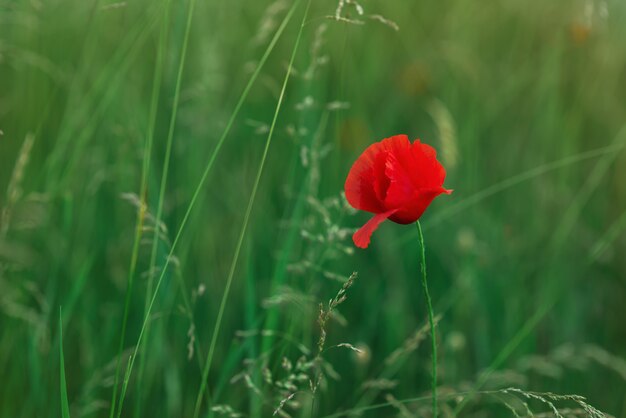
[431, 316]
[147, 155]
[197, 191]
[246, 219]
[65, 406]
[166, 164]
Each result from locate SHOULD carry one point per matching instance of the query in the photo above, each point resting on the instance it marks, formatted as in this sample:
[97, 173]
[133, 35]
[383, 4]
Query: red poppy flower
[396, 180]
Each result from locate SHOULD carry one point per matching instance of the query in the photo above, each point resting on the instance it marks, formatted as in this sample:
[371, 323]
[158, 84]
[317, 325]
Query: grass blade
[233, 265]
[196, 195]
[170, 139]
[65, 406]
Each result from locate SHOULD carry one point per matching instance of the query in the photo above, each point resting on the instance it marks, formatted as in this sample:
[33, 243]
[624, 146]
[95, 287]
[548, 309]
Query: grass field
[171, 197]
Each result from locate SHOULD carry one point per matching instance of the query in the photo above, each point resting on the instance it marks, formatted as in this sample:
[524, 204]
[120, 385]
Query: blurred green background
[524, 100]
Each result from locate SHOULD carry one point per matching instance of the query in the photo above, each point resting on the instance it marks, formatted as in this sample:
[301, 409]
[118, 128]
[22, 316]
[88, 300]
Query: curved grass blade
[147, 154]
[65, 406]
[166, 163]
[242, 234]
[196, 195]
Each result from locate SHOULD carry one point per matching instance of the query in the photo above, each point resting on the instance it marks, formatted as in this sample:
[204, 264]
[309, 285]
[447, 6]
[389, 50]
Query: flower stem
[431, 319]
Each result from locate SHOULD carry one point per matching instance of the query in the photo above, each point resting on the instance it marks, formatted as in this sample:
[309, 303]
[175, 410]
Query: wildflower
[396, 180]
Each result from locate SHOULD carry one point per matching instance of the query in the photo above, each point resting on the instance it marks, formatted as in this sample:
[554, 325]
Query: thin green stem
[65, 406]
[141, 211]
[166, 164]
[156, 92]
[242, 234]
[431, 316]
[196, 195]
[131, 279]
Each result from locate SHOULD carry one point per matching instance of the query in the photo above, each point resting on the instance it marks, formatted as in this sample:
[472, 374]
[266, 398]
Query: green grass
[138, 186]
[65, 406]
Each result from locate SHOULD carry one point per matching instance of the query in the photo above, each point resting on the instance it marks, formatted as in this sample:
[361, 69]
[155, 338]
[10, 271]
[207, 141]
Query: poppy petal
[366, 184]
[414, 209]
[359, 186]
[361, 237]
[381, 181]
[400, 189]
[428, 171]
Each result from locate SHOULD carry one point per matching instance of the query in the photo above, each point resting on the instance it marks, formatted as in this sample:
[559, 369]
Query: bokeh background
[525, 102]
